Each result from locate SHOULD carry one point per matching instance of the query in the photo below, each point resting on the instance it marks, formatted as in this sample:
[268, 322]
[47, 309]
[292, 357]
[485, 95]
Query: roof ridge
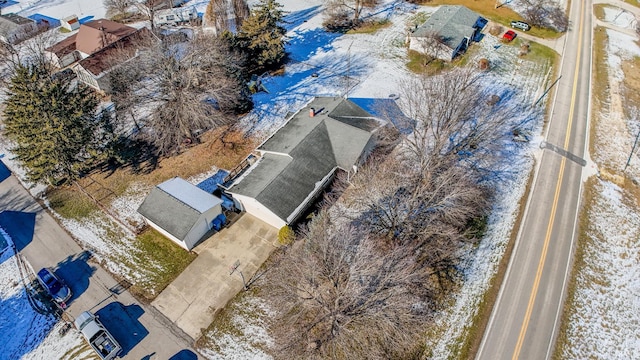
[179, 200]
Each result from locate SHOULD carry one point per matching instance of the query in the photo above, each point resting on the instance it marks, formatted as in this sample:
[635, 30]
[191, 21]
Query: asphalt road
[525, 319]
[140, 329]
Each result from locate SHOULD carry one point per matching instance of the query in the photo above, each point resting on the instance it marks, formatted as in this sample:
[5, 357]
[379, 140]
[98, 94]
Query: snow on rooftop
[190, 194]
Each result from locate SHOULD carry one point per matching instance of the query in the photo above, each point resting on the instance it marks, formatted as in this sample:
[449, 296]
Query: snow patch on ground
[253, 334]
[620, 47]
[607, 303]
[126, 206]
[324, 64]
[619, 17]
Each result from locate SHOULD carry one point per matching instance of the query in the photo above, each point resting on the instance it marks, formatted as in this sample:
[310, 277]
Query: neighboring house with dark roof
[301, 158]
[15, 28]
[448, 32]
[92, 46]
[181, 211]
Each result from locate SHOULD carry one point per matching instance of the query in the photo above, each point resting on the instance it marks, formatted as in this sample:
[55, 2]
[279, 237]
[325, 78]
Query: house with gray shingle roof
[302, 157]
[15, 28]
[448, 32]
[181, 211]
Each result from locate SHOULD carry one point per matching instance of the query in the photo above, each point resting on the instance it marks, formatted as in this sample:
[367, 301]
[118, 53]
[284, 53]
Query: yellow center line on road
[554, 207]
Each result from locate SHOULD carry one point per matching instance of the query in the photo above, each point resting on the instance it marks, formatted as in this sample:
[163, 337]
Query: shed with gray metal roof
[181, 211]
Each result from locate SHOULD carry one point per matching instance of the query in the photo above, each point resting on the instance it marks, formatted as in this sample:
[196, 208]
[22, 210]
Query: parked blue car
[54, 286]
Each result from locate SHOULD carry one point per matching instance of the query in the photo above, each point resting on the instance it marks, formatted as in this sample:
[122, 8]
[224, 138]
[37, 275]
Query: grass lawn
[155, 248]
[580, 262]
[600, 82]
[421, 64]
[371, 27]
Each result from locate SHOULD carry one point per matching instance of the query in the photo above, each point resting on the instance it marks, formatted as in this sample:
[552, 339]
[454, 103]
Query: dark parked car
[54, 286]
[520, 25]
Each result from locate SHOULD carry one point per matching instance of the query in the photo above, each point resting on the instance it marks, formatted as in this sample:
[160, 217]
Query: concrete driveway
[206, 285]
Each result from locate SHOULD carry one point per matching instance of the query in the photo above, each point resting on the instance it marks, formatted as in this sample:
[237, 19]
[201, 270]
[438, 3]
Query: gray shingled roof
[11, 22]
[452, 22]
[304, 151]
[176, 206]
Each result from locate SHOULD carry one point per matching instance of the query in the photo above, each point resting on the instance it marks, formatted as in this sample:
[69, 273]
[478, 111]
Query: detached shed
[181, 211]
[70, 23]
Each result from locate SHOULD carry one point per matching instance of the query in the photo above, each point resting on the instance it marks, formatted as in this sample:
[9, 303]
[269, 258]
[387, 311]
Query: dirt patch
[218, 148]
[631, 69]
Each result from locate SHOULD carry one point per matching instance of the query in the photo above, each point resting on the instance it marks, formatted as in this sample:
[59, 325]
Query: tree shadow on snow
[122, 322]
[303, 44]
[297, 18]
[24, 333]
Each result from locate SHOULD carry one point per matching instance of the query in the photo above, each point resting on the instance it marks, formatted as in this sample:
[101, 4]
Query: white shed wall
[197, 231]
[166, 234]
[201, 227]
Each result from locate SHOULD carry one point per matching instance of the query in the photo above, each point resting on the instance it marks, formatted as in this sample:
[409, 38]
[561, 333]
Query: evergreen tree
[262, 38]
[51, 123]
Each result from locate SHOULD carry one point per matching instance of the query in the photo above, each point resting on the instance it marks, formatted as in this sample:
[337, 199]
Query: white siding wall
[201, 226]
[443, 52]
[166, 234]
[255, 208]
[197, 231]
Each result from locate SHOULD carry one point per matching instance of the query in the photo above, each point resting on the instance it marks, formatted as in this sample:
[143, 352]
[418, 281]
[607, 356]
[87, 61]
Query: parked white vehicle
[175, 16]
[97, 335]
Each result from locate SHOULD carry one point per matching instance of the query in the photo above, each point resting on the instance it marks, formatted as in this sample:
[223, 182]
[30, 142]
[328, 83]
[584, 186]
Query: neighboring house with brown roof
[95, 43]
[15, 28]
[63, 53]
[93, 70]
[91, 37]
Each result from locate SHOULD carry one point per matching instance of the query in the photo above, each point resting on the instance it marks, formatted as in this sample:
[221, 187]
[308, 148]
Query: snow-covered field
[606, 319]
[362, 66]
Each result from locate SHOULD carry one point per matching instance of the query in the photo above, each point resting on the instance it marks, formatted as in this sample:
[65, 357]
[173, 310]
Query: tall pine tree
[262, 38]
[51, 123]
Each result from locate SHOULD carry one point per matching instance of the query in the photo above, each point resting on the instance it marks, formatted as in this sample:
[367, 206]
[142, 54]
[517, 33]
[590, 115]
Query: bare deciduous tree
[546, 14]
[343, 288]
[226, 15]
[191, 87]
[29, 52]
[433, 46]
[388, 253]
[117, 8]
[342, 14]
[241, 12]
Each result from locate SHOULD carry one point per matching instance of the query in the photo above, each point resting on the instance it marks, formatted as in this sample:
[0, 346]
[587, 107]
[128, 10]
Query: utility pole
[346, 94]
[233, 269]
